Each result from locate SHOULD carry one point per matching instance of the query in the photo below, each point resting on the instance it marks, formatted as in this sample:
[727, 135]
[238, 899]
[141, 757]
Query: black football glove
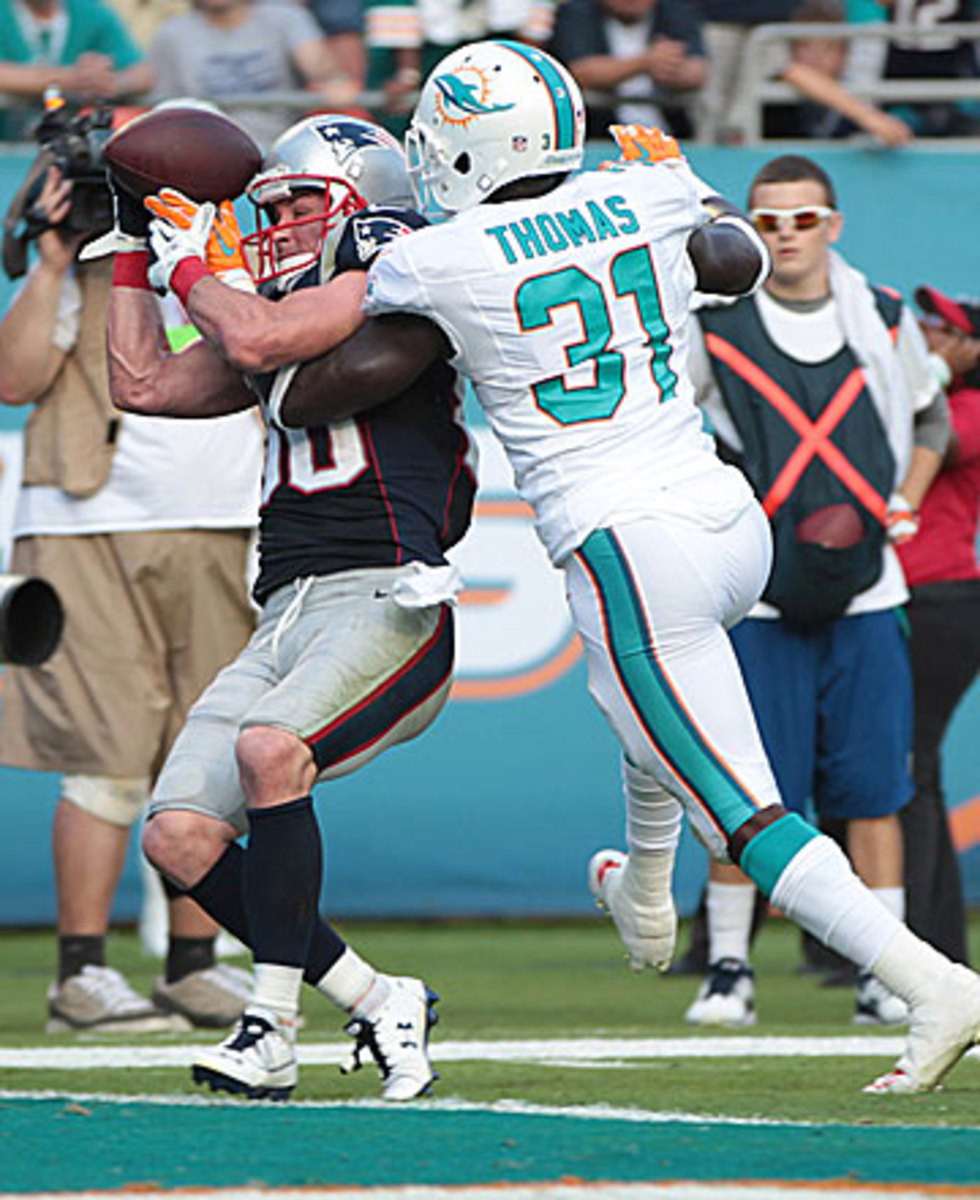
[368, 232]
[131, 217]
[130, 229]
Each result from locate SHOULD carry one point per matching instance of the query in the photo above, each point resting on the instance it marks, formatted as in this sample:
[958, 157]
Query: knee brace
[764, 844]
[116, 801]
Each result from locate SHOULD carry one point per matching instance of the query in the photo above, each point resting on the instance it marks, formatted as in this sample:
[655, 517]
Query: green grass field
[538, 981]
[564, 1077]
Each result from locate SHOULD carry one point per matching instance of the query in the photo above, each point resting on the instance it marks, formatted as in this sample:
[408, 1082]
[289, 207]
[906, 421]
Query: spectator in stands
[142, 17]
[934, 56]
[80, 46]
[650, 53]
[143, 527]
[406, 39]
[342, 24]
[726, 28]
[943, 572]
[225, 48]
[816, 67]
[820, 388]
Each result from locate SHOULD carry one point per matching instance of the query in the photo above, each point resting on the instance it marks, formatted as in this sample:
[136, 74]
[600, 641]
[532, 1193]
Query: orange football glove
[223, 252]
[645, 143]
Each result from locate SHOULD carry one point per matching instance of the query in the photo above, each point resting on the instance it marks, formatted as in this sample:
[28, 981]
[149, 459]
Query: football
[834, 527]
[201, 153]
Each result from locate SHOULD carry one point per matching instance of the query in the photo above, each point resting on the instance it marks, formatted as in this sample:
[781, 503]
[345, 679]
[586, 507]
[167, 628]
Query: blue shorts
[834, 707]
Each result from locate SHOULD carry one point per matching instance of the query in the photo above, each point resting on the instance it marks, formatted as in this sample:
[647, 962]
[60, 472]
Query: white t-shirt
[166, 473]
[526, 293]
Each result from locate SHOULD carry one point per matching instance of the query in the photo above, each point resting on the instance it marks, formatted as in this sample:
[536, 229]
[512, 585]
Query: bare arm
[29, 359]
[91, 75]
[384, 357]
[145, 376]
[923, 469]
[254, 334]
[823, 89]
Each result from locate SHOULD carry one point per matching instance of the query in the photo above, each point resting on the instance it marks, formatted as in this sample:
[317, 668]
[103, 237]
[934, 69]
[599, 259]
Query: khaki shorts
[150, 619]
[336, 662]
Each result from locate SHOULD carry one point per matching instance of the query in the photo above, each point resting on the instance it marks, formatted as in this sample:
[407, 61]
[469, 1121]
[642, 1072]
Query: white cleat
[941, 1030]
[397, 1038]
[726, 998]
[257, 1061]
[647, 930]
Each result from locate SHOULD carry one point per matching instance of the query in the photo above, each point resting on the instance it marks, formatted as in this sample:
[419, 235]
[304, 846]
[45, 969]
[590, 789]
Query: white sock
[653, 815]
[649, 876]
[730, 907]
[820, 892]
[893, 898]
[349, 980]
[277, 988]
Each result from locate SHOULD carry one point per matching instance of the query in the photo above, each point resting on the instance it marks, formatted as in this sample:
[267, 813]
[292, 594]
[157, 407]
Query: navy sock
[219, 893]
[281, 881]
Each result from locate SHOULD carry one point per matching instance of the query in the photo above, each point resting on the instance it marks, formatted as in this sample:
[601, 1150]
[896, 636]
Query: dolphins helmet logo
[464, 95]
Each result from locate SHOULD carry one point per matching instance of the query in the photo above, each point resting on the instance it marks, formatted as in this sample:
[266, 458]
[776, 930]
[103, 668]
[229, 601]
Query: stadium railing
[764, 39]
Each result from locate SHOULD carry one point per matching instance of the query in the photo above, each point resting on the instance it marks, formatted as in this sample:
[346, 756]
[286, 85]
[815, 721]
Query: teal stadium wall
[495, 811]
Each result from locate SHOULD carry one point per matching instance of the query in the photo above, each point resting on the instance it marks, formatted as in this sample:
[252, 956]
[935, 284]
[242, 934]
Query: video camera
[75, 145]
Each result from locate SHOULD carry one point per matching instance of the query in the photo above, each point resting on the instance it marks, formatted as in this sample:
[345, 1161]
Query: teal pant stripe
[557, 88]
[765, 857]
[659, 710]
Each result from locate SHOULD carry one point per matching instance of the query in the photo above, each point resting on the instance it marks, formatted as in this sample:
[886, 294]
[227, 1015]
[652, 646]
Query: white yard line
[598, 1052]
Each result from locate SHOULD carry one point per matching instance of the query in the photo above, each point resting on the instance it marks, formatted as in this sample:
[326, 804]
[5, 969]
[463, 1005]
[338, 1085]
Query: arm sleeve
[932, 425]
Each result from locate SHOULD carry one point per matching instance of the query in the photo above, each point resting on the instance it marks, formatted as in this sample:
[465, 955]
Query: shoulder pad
[368, 232]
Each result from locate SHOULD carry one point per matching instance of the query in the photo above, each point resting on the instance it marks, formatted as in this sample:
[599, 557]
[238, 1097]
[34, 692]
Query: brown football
[203, 154]
[835, 527]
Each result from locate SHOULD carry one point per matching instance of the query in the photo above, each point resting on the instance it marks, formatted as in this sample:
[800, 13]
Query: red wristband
[186, 273]
[129, 270]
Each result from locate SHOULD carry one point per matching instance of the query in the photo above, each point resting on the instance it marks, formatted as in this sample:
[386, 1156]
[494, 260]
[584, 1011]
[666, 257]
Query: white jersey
[569, 313]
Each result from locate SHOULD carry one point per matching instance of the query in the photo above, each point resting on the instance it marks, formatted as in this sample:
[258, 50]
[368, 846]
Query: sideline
[554, 1052]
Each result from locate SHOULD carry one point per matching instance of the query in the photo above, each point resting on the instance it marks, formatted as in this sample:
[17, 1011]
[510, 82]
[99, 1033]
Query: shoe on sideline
[397, 1038]
[213, 998]
[101, 1000]
[257, 1060]
[726, 997]
[876, 1005]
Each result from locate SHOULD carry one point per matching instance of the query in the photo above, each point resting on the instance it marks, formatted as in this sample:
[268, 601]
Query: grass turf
[540, 981]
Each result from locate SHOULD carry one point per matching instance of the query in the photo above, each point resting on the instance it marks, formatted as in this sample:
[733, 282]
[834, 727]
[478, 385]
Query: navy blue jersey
[391, 486]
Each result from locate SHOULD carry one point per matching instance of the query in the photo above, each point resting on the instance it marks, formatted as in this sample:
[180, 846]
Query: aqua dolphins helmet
[489, 113]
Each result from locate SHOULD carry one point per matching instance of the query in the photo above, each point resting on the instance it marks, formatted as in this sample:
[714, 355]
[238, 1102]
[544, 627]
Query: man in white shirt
[820, 388]
[143, 526]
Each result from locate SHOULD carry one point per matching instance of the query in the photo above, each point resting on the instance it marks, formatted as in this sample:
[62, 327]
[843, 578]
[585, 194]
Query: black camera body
[75, 144]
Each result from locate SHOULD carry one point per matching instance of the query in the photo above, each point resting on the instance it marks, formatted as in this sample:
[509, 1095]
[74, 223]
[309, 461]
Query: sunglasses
[771, 220]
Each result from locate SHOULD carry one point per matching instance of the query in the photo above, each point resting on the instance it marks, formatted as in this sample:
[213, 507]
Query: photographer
[83, 49]
[143, 527]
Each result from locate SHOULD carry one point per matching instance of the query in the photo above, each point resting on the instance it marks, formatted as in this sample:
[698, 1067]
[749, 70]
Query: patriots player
[354, 647]
[570, 313]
